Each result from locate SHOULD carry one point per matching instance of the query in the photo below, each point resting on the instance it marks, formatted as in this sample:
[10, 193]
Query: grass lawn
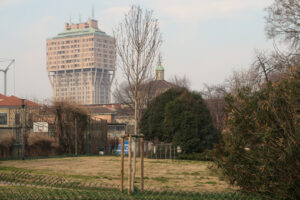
[159, 174]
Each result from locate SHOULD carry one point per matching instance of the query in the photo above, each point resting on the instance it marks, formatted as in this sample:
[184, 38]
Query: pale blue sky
[203, 39]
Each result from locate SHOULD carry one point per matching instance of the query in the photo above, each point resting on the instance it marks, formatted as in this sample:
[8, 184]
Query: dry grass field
[163, 174]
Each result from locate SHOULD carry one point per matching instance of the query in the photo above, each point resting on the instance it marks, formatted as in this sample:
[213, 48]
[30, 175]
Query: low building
[11, 111]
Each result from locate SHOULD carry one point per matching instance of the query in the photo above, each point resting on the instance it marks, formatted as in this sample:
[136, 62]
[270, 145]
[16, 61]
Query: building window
[3, 118]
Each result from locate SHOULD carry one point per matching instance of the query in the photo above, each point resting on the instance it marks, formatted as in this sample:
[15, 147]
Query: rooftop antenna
[93, 16]
[79, 18]
[5, 74]
[70, 19]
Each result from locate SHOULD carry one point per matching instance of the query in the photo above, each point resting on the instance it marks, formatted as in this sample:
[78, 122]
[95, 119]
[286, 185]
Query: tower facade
[81, 64]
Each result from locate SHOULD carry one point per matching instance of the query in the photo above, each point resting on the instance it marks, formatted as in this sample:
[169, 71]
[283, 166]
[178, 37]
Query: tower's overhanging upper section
[81, 45]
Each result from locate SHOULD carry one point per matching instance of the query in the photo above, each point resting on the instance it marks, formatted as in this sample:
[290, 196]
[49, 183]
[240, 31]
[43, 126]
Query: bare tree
[274, 66]
[283, 21]
[138, 40]
[214, 96]
[242, 78]
[182, 82]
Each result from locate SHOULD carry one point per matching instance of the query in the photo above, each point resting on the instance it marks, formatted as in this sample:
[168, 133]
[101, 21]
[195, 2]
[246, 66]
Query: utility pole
[5, 75]
[23, 129]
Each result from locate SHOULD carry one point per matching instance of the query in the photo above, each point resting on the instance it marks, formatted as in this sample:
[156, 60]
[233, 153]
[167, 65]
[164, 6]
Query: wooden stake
[122, 165]
[129, 165]
[142, 163]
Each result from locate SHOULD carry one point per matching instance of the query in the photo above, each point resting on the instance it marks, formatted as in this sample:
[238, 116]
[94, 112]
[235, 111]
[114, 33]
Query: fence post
[166, 149]
[23, 129]
[159, 151]
[174, 152]
[171, 152]
[122, 165]
[151, 150]
[156, 151]
[75, 136]
[129, 165]
[88, 141]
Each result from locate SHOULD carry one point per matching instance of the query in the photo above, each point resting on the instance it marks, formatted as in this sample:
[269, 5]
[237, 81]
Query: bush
[204, 156]
[260, 146]
[6, 145]
[41, 145]
[181, 117]
[65, 113]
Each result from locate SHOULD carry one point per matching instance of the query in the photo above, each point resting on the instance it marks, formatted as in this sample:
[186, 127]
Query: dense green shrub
[204, 156]
[260, 147]
[181, 117]
[152, 120]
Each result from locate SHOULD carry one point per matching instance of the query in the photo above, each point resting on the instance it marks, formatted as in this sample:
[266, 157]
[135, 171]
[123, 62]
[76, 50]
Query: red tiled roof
[101, 110]
[14, 101]
[162, 84]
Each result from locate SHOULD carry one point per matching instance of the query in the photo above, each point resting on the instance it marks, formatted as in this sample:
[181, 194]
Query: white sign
[40, 127]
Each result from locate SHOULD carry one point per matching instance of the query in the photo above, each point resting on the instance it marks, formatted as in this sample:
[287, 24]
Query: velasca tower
[81, 64]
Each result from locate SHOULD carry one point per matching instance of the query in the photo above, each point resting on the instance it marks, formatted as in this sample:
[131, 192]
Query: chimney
[67, 26]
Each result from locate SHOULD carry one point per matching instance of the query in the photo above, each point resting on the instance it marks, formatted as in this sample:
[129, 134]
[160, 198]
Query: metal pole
[5, 82]
[174, 152]
[76, 136]
[23, 129]
[142, 163]
[165, 151]
[88, 137]
[170, 152]
[159, 151]
[122, 165]
[129, 165]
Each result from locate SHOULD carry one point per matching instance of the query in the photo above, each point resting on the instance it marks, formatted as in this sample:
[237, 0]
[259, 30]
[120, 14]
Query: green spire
[160, 68]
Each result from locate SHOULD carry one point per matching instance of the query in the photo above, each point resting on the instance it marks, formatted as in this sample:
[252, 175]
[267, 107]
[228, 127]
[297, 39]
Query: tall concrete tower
[81, 64]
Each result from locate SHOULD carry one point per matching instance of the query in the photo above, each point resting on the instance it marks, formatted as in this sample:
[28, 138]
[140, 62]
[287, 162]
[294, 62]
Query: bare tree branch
[283, 21]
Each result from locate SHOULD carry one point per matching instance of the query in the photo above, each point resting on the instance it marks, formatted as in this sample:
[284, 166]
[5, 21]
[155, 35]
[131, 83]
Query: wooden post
[142, 163]
[122, 165]
[129, 165]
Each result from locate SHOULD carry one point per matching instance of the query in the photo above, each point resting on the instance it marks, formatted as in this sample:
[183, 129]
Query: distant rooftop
[13, 101]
